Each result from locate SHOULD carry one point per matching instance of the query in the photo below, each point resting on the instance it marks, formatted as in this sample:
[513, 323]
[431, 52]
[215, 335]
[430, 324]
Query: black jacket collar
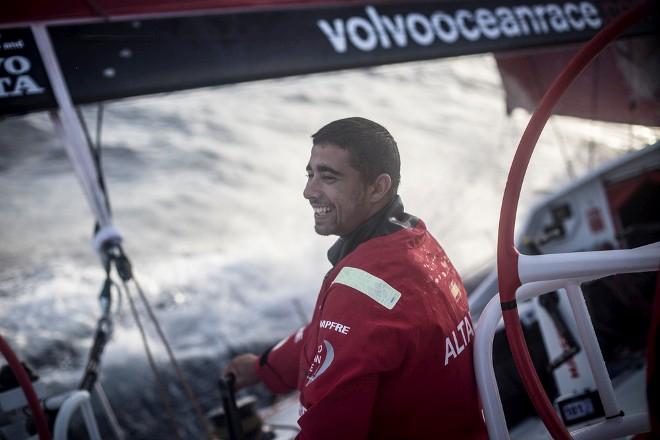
[389, 219]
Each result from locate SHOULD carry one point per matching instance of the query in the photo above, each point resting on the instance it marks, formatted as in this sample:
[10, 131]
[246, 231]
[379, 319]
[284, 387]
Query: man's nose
[311, 189]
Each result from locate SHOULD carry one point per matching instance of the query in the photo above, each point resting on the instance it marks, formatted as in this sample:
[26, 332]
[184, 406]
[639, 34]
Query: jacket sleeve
[343, 414]
[278, 366]
[358, 340]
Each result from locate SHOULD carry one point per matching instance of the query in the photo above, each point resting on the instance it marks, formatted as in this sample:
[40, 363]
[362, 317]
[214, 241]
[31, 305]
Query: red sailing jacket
[388, 352]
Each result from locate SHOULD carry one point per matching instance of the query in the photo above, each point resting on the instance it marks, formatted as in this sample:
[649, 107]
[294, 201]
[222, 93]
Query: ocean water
[206, 188]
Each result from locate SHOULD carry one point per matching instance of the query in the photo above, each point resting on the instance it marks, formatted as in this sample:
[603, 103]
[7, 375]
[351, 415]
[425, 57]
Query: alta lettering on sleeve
[459, 339]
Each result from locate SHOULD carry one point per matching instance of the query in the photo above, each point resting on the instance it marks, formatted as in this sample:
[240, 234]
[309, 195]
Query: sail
[115, 49]
[622, 85]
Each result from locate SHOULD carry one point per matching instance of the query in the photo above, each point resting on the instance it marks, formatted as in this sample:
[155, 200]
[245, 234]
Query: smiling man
[388, 352]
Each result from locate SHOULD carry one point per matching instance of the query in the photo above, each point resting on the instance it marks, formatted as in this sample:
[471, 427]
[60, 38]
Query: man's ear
[380, 187]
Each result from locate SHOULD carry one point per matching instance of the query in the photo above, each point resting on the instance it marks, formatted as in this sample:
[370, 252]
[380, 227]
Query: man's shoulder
[404, 255]
[400, 246]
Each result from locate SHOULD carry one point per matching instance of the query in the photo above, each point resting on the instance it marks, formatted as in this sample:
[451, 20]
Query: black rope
[95, 150]
[182, 379]
[125, 271]
[99, 125]
[163, 391]
[102, 336]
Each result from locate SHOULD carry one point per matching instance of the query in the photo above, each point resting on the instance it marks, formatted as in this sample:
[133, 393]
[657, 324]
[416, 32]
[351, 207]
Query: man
[388, 352]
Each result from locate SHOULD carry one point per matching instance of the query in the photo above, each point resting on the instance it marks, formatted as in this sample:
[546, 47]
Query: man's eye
[328, 178]
[309, 175]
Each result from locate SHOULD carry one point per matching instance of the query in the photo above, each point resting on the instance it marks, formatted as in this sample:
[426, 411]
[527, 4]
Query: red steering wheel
[507, 254]
[25, 383]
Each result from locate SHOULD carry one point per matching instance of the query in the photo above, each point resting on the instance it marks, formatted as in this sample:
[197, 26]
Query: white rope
[68, 124]
[109, 412]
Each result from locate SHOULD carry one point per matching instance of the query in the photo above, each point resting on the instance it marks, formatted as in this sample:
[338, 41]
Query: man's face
[336, 191]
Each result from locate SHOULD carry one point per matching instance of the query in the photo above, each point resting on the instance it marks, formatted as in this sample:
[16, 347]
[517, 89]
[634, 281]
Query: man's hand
[243, 367]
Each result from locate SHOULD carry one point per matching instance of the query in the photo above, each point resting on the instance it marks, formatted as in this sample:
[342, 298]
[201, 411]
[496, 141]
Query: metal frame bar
[566, 271]
[614, 428]
[77, 399]
[589, 342]
[585, 264]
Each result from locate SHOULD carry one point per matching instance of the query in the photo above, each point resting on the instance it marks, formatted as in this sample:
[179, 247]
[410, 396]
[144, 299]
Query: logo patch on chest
[325, 354]
[455, 290]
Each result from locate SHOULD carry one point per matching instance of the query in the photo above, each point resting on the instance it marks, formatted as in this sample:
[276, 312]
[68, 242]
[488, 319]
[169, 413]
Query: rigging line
[125, 271]
[633, 105]
[162, 391]
[109, 411]
[68, 126]
[561, 143]
[557, 132]
[99, 128]
[95, 150]
[70, 135]
[184, 382]
[102, 335]
[120, 303]
[594, 109]
[85, 130]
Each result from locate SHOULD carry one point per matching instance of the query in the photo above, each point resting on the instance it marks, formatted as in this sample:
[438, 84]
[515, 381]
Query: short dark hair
[372, 148]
